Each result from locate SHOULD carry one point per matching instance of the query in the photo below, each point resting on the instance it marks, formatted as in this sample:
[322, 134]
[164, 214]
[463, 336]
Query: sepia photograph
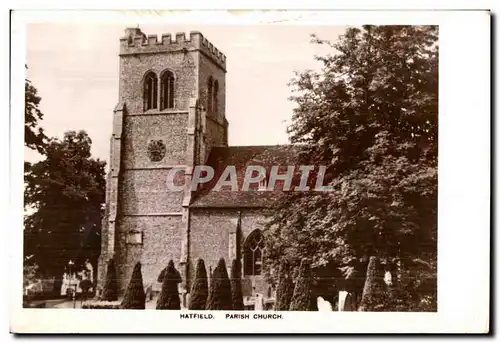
[231, 172]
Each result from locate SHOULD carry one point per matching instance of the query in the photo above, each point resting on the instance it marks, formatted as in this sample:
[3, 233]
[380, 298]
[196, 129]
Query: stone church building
[171, 114]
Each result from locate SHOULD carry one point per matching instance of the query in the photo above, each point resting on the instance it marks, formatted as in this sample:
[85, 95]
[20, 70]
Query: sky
[75, 67]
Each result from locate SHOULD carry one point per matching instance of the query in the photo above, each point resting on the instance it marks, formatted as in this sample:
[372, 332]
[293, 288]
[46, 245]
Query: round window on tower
[156, 150]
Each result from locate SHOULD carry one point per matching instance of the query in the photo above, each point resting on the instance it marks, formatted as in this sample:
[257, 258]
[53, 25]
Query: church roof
[241, 157]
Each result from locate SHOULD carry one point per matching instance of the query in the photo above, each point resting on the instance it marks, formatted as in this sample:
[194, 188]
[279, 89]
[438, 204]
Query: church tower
[170, 113]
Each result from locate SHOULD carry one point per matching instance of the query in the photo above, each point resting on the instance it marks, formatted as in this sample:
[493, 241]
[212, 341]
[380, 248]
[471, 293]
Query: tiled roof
[241, 157]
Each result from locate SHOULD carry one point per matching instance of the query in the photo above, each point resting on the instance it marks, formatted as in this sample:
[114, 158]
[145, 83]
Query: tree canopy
[370, 115]
[34, 136]
[65, 195]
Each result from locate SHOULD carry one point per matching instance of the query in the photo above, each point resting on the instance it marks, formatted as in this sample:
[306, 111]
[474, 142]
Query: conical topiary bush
[169, 296]
[110, 289]
[236, 291]
[199, 290]
[219, 297]
[210, 284]
[134, 297]
[285, 288]
[373, 297]
[302, 294]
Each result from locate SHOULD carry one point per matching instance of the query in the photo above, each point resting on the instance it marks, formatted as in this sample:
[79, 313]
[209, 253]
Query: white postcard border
[464, 166]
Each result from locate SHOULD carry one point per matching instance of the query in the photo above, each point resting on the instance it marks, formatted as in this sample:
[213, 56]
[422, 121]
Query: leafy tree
[199, 290]
[302, 294]
[370, 117]
[236, 291]
[65, 193]
[219, 297]
[169, 296]
[285, 289]
[34, 136]
[110, 289]
[134, 297]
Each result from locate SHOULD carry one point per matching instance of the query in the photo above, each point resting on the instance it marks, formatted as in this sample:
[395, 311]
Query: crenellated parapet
[136, 42]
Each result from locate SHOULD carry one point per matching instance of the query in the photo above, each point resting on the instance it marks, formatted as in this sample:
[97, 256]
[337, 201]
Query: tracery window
[210, 85]
[253, 256]
[150, 91]
[215, 95]
[167, 87]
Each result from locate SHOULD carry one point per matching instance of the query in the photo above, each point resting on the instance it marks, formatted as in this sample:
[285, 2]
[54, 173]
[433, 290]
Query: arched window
[167, 90]
[150, 91]
[216, 95]
[210, 85]
[253, 256]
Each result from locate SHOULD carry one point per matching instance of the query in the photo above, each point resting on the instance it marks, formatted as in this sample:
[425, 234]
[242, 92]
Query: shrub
[169, 296]
[134, 297]
[372, 288]
[414, 291]
[236, 292]
[302, 295]
[284, 291]
[108, 305]
[110, 289]
[219, 297]
[85, 285]
[199, 290]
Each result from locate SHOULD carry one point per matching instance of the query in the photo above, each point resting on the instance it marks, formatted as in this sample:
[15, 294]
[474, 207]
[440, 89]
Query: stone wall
[161, 237]
[145, 192]
[212, 232]
[140, 130]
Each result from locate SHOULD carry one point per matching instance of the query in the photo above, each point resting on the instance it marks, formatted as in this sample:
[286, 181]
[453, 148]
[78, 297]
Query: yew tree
[135, 297]
[110, 289]
[199, 290]
[284, 292]
[371, 117]
[169, 295]
[302, 297]
[236, 290]
[219, 296]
